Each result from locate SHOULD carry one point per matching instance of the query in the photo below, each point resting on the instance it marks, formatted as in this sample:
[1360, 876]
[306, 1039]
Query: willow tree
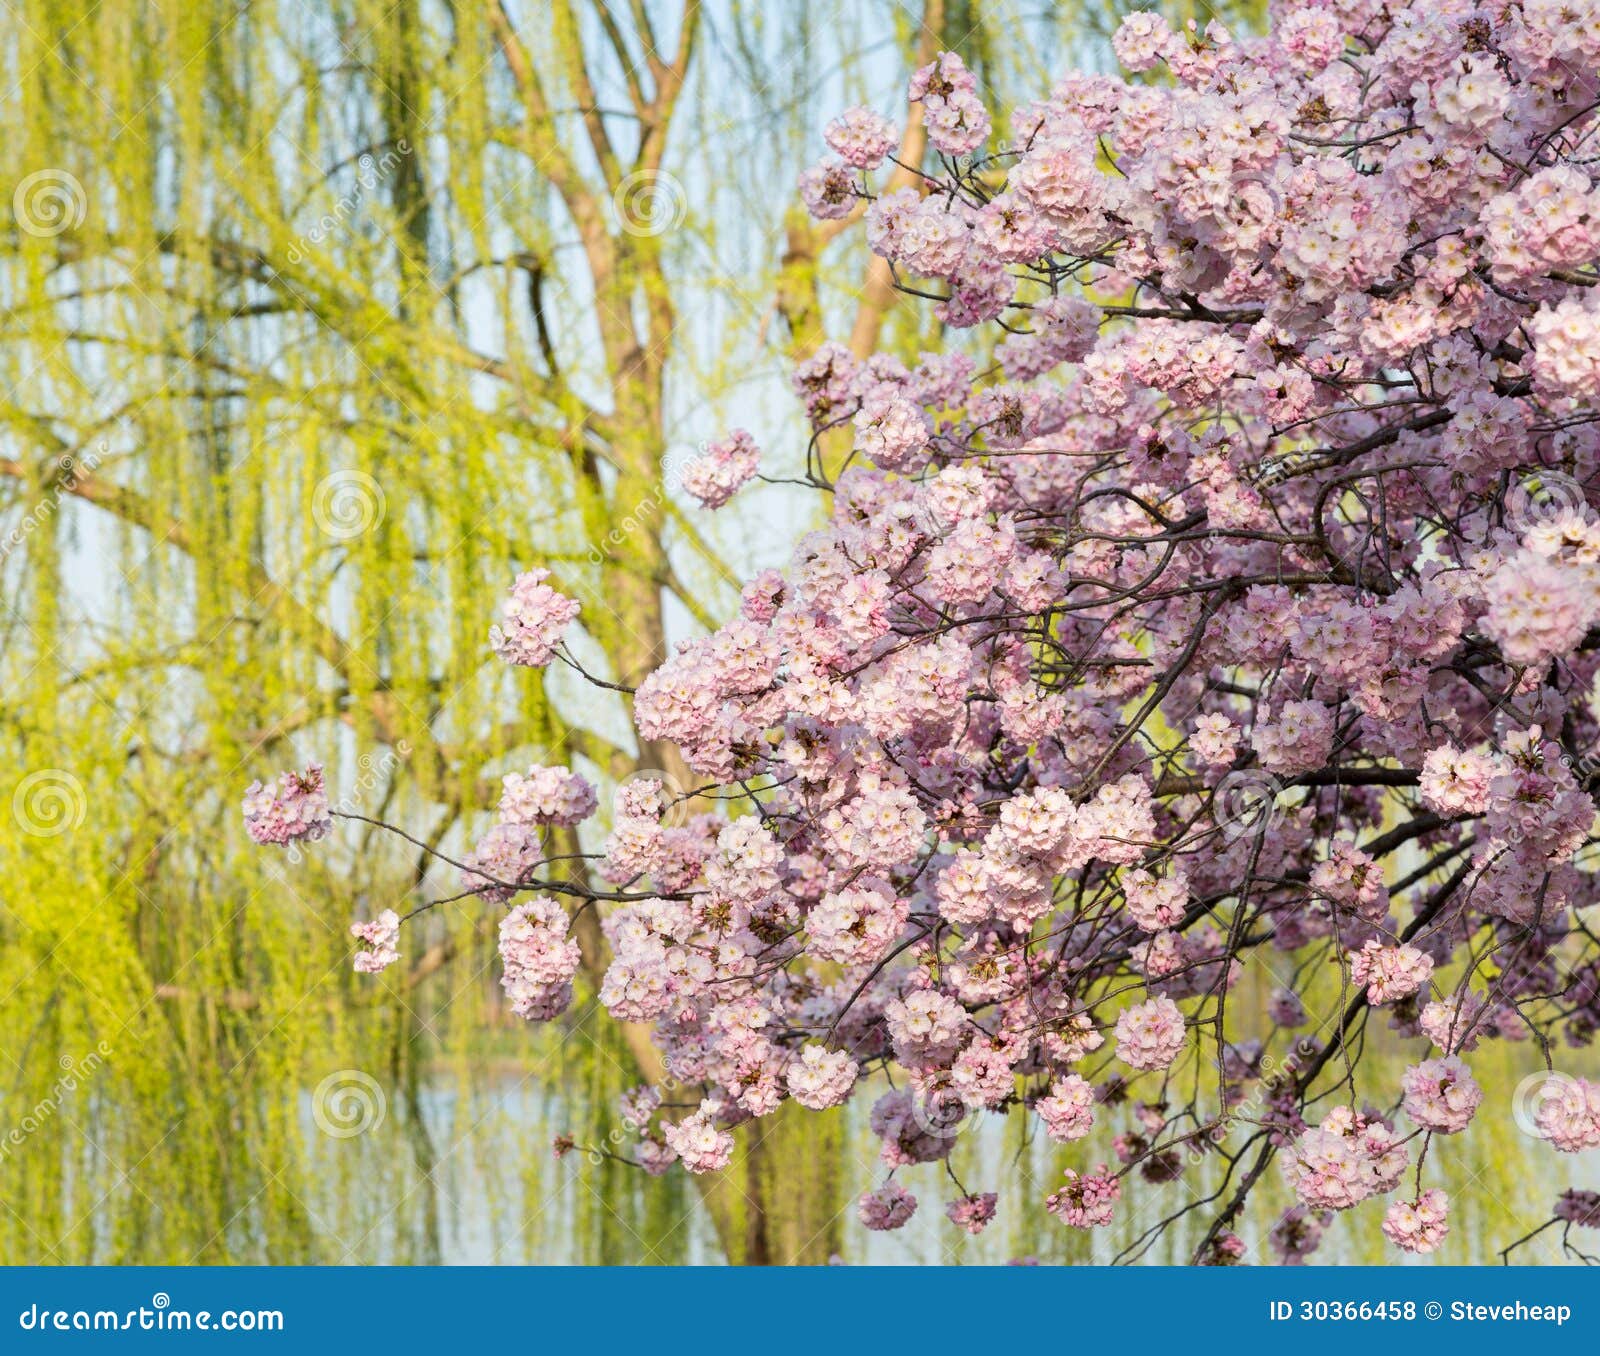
[320, 322]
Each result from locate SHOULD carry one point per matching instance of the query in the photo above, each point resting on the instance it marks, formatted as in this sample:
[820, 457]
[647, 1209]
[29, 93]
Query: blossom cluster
[537, 958]
[296, 808]
[725, 466]
[379, 937]
[532, 621]
[1224, 602]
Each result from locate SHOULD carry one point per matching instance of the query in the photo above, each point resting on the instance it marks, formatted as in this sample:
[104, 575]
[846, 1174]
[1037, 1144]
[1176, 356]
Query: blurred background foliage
[323, 318]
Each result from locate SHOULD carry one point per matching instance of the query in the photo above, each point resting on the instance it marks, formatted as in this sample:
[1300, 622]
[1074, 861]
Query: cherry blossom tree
[1219, 620]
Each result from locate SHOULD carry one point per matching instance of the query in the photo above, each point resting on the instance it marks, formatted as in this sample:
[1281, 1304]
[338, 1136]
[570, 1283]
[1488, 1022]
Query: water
[482, 1185]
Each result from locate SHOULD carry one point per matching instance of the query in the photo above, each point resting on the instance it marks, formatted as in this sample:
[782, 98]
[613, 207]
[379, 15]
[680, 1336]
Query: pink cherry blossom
[537, 959]
[1578, 1206]
[1390, 972]
[697, 1141]
[1085, 1201]
[972, 1213]
[725, 466]
[1151, 1035]
[1068, 1109]
[379, 936]
[957, 120]
[1211, 622]
[546, 795]
[1440, 1094]
[1419, 1225]
[889, 1207]
[1342, 1162]
[821, 1078]
[1569, 1113]
[862, 137]
[298, 808]
[532, 621]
